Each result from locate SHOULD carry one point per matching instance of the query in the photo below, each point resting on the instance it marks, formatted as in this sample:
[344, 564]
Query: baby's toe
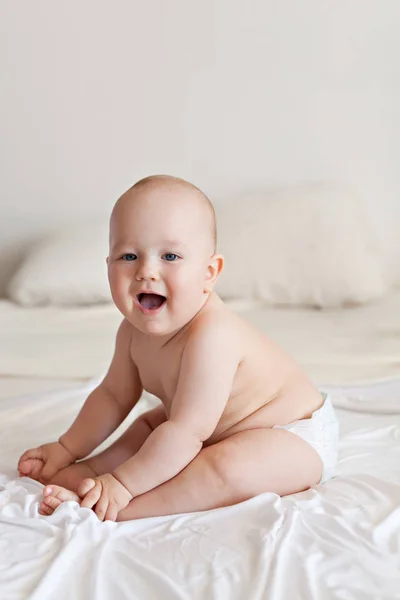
[45, 510]
[48, 491]
[52, 502]
[59, 493]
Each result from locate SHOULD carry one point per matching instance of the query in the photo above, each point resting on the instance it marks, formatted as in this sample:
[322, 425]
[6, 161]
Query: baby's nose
[147, 270]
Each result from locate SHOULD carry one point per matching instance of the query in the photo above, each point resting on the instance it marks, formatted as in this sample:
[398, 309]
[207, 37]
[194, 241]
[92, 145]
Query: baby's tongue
[151, 300]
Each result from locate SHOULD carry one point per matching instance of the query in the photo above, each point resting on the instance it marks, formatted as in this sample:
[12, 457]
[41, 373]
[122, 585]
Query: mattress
[56, 343]
[339, 540]
[348, 345]
[17, 386]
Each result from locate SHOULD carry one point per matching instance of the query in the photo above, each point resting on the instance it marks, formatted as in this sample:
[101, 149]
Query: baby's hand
[43, 462]
[109, 495]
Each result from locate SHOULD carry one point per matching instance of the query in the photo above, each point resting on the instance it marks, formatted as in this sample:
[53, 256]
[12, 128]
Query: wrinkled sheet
[340, 540]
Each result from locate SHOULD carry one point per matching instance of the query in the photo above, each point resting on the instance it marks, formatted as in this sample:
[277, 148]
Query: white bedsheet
[340, 540]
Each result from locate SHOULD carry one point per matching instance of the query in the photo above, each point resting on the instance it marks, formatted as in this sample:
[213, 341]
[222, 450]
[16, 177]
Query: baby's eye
[168, 256]
[128, 257]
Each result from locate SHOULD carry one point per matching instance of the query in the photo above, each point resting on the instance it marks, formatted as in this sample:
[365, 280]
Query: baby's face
[159, 243]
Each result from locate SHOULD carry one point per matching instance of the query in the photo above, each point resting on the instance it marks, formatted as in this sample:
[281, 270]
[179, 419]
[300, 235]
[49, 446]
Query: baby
[238, 415]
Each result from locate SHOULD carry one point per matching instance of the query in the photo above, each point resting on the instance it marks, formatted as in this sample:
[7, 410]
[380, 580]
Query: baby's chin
[162, 325]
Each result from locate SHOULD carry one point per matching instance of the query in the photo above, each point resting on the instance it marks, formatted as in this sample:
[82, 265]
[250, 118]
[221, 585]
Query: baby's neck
[159, 341]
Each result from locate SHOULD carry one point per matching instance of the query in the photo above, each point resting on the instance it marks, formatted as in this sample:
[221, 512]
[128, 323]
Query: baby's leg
[109, 459]
[129, 443]
[238, 468]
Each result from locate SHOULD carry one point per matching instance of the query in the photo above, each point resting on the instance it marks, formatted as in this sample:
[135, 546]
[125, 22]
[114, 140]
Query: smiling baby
[238, 416]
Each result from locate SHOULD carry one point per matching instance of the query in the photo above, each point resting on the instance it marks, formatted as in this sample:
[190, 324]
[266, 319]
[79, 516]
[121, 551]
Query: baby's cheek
[120, 283]
[187, 290]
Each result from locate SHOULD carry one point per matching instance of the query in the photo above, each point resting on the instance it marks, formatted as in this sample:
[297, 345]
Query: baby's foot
[54, 495]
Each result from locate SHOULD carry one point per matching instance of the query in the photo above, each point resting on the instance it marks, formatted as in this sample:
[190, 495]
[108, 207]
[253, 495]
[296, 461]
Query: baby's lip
[150, 292]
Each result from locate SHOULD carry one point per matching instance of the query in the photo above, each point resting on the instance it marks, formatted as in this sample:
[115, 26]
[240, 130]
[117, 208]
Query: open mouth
[151, 301]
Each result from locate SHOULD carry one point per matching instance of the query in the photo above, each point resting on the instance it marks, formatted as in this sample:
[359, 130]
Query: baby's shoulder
[216, 325]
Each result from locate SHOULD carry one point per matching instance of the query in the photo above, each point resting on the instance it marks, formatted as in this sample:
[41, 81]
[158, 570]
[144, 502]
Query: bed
[338, 540]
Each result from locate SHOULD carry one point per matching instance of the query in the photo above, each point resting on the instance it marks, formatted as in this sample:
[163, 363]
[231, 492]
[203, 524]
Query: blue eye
[170, 254]
[128, 257]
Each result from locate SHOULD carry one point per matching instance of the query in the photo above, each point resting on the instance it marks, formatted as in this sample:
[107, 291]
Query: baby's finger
[32, 453]
[101, 507]
[91, 497]
[47, 473]
[25, 466]
[85, 486]
[112, 512]
[31, 468]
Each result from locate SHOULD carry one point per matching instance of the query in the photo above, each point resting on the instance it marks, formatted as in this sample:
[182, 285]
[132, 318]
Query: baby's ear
[215, 266]
[107, 257]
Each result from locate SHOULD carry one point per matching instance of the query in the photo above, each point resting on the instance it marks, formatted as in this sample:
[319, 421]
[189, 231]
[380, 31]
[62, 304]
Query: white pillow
[312, 245]
[67, 268]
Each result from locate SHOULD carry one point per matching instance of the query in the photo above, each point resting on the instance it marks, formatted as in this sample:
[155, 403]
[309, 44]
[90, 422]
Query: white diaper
[321, 431]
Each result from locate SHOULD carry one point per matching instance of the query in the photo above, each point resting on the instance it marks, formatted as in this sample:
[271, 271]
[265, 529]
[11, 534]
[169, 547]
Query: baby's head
[162, 239]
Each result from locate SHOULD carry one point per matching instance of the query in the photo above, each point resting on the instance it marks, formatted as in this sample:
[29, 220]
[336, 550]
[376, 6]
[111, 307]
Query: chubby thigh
[246, 464]
[256, 461]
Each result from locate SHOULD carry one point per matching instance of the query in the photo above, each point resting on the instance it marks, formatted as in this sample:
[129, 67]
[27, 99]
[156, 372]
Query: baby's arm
[208, 367]
[109, 404]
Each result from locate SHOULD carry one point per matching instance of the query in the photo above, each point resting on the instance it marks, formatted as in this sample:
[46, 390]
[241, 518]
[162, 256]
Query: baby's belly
[286, 407]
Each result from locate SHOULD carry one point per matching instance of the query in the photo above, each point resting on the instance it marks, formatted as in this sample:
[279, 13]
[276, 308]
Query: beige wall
[226, 93]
